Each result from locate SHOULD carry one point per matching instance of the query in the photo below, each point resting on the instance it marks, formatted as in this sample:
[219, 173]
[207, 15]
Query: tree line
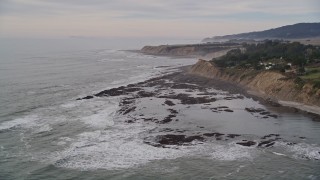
[253, 54]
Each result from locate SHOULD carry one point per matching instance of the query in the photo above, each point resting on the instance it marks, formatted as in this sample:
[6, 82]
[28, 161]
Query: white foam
[66, 138]
[302, 150]
[42, 119]
[26, 122]
[112, 150]
[239, 168]
[71, 104]
[279, 154]
[231, 152]
[64, 141]
[61, 143]
[43, 128]
[306, 150]
[144, 66]
[102, 118]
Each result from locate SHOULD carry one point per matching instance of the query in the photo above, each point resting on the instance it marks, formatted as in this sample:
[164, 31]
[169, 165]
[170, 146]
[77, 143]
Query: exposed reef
[170, 96]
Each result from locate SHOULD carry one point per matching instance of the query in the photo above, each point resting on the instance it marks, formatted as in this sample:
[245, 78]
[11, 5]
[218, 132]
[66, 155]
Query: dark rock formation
[228, 110]
[270, 135]
[184, 86]
[216, 134]
[233, 135]
[267, 143]
[253, 110]
[129, 110]
[112, 92]
[173, 111]
[247, 143]
[186, 99]
[167, 119]
[145, 94]
[169, 103]
[173, 139]
[87, 97]
[265, 114]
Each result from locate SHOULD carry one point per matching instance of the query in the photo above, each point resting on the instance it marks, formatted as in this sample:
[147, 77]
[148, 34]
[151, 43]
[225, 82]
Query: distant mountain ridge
[295, 31]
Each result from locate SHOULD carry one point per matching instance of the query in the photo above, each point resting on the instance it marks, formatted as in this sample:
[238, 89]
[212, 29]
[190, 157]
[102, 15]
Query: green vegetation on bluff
[276, 52]
[294, 59]
[312, 75]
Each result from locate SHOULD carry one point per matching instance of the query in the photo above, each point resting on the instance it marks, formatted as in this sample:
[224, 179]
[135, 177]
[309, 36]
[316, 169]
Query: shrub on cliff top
[316, 85]
[294, 53]
[299, 82]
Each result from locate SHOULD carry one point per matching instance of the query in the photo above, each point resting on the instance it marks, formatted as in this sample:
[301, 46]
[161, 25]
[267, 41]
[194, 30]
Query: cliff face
[169, 50]
[207, 51]
[267, 83]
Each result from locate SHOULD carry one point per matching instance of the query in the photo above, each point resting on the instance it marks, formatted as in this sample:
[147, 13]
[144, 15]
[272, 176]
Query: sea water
[45, 133]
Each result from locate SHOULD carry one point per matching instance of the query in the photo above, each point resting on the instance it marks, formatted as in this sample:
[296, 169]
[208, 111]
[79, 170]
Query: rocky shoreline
[169, 94]
[269, 85]
[272, 87]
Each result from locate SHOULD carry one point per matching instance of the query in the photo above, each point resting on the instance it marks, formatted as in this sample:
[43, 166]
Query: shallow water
[45, 133]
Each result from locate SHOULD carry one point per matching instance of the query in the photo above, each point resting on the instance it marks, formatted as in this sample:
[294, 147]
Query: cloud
[159, 8]
[65, 16]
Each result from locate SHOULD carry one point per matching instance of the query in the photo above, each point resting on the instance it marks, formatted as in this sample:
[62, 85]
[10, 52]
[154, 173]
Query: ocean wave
[101, 119]
[116, 148]
[25, 122]
[300, 150]
[232, 152]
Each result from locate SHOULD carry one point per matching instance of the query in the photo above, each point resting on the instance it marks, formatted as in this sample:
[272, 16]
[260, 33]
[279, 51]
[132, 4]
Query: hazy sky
[149, 18]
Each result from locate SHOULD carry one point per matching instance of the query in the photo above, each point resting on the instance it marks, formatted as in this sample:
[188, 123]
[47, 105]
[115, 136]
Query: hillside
[296, 31]
[190, 50]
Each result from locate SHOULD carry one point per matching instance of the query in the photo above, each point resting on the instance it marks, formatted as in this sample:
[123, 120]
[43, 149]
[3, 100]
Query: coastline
[303, 107]
[291, 104]
[251, 88]
[241, 88]
[204, 51]
[185, 77]
[164, 55]
[179, 106]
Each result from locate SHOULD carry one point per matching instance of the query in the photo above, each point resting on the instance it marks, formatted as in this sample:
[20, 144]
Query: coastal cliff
[170, 50]
[206, 51]
[267, 84]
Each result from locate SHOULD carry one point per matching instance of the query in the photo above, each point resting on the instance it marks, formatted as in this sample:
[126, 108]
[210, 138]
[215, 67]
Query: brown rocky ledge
[270, 85]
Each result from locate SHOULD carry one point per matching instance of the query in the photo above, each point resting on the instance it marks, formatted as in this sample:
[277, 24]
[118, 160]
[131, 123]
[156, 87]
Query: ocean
[46, 133]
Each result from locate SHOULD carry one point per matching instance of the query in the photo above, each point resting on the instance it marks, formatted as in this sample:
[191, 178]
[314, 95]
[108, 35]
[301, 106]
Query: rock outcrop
[268, 84]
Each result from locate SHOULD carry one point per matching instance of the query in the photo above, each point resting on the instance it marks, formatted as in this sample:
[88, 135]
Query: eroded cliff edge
[266, 84]
[206, 51]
